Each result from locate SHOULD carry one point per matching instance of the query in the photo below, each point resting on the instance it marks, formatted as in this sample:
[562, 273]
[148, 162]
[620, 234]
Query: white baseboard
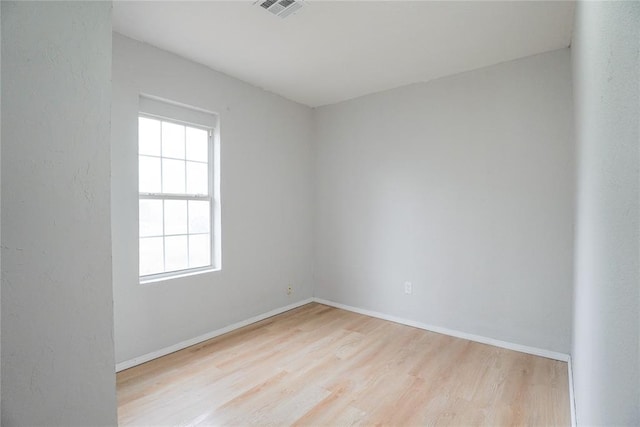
[188, 343]
[458, 334]
[572, 398]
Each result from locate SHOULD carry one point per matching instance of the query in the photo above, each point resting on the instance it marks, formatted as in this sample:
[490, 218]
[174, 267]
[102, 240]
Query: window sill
[169, 276]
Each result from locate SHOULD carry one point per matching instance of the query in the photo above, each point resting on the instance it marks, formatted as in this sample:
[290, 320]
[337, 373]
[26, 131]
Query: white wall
[606, 360]
[266, 203]
[463, 186]
[0, 209]
[57, 317]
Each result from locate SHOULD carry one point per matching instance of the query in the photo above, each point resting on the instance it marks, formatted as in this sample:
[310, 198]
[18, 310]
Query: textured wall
[57, 317]
[606, 359]
[463, 186]
[266, 203]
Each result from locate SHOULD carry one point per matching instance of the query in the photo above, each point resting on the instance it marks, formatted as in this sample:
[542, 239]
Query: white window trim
[213, 197]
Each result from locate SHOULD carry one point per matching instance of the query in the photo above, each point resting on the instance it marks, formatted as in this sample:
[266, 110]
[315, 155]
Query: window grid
[164, 239]
[174, 235]
[173, 158]
[188, 225]
[181, 196]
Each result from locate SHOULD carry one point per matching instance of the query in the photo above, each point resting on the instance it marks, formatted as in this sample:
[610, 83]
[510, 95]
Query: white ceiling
[331, 51]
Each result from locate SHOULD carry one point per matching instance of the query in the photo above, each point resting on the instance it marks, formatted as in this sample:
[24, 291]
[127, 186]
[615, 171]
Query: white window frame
[213, 197]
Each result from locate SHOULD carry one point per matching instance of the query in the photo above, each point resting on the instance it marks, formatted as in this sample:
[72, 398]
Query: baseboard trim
[188, 343]
[451, 332]
[438, 329]
[572, 397]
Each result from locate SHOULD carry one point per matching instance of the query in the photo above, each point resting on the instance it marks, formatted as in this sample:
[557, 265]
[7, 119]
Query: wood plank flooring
[318, 365]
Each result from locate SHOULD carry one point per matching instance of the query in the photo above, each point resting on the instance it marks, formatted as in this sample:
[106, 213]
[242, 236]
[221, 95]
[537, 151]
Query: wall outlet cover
[408, 288]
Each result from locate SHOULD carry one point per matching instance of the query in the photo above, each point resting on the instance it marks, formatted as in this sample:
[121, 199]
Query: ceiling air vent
[281, 8]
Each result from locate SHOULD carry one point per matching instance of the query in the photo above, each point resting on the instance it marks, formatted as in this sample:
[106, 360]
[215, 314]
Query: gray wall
[463, 186]
[57, 317]
[606, 362]
[266, 193]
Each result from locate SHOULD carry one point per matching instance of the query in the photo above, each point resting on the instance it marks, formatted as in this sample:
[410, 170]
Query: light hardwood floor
[318, 365]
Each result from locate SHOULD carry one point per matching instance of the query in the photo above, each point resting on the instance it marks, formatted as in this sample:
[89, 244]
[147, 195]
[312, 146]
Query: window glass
[150, 179]
[199, 250]
[175, 201]
[199, 219]
[173, 140]
[197, 178]
[176, 253]
[150, 218]
[149, 136]
[151, 255]
[175, 217]
[197, 145]
[173, 176]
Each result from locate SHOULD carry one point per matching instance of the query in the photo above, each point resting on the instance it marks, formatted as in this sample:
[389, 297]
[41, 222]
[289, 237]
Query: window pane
[175, 217]
[151, 218]
[151, 253]
[199, 250]
[172, 140]
[199, 219]
[176, 253]
[148, 136]
[197, 145]
[149, 175]
[197, 178]
[172, 176]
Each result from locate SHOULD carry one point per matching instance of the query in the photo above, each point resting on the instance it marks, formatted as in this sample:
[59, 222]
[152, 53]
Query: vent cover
[281, 8]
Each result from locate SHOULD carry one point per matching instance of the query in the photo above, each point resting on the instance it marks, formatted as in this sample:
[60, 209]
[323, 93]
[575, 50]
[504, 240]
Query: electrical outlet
[408, 288]
[290, 290]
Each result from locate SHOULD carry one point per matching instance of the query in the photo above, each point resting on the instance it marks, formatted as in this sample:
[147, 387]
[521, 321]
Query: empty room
[308, 212]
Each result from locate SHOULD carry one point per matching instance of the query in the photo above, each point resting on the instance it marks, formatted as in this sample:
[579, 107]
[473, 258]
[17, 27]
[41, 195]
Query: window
[177, 195]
